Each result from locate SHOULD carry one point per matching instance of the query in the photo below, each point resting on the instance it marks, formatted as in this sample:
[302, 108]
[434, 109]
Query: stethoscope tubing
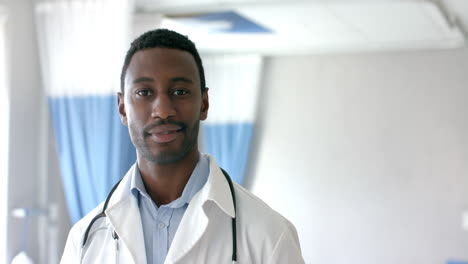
[101, 214]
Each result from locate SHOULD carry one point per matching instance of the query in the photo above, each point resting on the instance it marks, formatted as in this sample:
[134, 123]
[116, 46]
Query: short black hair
[162, 38]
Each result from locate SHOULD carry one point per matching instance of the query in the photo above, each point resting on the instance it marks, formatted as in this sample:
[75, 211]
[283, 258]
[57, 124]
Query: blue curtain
[230, 146]
[80, 75]
[93, 146]
[234, 87]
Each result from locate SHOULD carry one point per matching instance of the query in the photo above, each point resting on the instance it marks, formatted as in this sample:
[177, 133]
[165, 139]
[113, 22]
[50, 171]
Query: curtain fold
[233, 82]
[82, 44]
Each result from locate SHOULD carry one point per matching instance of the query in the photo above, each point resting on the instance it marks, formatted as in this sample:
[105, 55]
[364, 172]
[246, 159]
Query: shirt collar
[215, 189]
[196, 181]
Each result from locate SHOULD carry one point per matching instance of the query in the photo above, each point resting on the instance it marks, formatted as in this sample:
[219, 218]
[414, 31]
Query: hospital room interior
[348, 117]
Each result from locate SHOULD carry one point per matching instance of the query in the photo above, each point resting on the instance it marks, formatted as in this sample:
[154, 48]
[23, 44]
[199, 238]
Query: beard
[151, 153]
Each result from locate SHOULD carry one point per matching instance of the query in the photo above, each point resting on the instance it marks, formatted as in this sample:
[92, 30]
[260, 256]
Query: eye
[144, 93]
[180, 92]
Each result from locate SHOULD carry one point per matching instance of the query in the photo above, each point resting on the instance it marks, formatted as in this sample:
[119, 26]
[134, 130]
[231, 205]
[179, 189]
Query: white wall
[367, 154]
[4, 130]
[30, 183]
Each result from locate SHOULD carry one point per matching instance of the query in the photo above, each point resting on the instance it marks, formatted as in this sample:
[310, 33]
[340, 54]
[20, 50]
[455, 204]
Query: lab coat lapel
[195, 220]
[124, 216]
[190, 230]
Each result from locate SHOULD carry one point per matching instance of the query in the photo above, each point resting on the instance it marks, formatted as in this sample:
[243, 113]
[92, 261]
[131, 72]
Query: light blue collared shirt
[160, 224]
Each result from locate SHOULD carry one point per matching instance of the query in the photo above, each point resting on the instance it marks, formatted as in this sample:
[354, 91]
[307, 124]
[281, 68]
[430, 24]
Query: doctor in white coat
[163, 98]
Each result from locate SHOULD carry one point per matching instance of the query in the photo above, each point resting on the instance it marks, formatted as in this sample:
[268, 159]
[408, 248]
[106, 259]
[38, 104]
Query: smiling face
[162, 104]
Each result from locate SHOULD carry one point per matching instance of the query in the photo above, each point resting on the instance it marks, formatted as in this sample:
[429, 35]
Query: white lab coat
[203, 236]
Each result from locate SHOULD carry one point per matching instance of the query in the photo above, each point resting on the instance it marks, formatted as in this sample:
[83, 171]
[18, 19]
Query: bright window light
[4, 129]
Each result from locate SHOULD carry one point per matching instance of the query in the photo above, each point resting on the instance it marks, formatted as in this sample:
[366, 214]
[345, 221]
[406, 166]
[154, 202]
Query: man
[175, 205]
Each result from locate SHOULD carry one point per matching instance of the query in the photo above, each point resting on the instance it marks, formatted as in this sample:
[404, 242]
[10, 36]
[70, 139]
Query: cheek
[194, 109]
[136, 122]
[137, 113]
[132, 129]
[195, 116]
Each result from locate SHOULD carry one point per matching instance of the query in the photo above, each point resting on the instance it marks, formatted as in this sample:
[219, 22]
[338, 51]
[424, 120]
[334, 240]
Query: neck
[166, 182]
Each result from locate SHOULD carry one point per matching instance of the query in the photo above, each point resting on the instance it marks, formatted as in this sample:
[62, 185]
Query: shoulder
[249, 205]
[121, 193]
[75, 236]
[79, 228]
[255, 214]
[262, 226]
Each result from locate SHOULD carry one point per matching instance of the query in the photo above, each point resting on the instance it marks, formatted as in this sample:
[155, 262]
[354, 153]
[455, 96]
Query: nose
[163, 107]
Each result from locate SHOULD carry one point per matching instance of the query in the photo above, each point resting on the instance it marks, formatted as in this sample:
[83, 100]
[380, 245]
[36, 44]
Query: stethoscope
[116, 237]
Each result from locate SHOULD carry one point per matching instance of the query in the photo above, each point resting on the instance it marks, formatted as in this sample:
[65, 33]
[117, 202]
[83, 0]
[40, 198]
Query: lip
[165, 133]
[164, 129]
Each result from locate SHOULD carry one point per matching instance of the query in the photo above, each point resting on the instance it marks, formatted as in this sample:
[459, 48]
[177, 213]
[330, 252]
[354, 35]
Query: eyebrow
[143, 79]
[175, 79]
[181, 79]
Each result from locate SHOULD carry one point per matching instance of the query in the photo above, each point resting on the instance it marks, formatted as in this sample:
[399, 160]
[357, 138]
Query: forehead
[163, 62]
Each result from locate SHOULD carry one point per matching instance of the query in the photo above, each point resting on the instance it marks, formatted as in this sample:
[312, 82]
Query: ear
[121, 105]
[204, 105]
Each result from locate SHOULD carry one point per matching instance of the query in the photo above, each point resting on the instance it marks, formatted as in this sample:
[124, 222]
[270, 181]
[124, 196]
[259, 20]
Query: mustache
[148, 127]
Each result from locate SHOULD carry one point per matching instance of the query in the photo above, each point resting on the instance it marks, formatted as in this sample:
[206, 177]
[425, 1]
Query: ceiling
[298, 27]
